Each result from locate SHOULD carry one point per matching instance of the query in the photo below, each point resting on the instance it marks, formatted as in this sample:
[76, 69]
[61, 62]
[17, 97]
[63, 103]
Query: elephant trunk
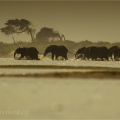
[15, 55]
[76, 55]
[45, 54]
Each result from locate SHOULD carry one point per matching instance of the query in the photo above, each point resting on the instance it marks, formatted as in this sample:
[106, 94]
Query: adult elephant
[80, 53]
[30, 51]
[115, 50]
[57, 51]
[95, 52]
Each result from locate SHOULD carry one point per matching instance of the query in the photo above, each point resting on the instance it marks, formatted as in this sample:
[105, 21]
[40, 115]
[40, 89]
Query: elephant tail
[71, 53]
[40, 53]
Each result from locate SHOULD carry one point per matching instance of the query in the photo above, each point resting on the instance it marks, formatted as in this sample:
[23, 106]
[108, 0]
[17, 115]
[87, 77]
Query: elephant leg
[115, 58]
[28, 57]
[52, 56]
[22, 56]
[96, 58]
[83, 57]
[107, 58]
[65, 56]
[31, 57]
[56, 57]
[112, 57]
[36, 57]
[102, 59]
[93, 57]
[118, 57]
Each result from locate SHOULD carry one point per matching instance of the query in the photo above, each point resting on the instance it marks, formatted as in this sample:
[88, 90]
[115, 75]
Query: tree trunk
[31, 35]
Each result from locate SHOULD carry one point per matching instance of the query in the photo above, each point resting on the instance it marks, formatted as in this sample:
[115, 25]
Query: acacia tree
[19, 26]
[46, 33]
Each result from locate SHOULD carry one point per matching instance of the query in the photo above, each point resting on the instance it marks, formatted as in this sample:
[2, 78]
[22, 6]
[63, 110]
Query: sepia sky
[77, 20]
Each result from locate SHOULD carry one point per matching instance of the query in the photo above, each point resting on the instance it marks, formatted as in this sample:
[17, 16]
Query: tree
[19, 26]
[46, 33]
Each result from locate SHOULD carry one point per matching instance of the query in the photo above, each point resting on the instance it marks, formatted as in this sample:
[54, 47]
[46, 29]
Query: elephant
[95, 52]
[115, 50]
[25, 52]
[80, 53]
[57, 50]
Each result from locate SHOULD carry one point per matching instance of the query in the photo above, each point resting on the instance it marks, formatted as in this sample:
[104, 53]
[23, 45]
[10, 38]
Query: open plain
[72, 89]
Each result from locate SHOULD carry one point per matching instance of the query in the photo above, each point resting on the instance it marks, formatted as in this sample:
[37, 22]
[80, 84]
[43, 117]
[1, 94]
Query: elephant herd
[32, 52]
[85, 53]
[95, 53]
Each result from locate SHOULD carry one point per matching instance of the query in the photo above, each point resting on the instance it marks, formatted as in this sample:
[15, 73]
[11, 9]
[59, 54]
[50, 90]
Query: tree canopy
[46, 33]
[19, 26]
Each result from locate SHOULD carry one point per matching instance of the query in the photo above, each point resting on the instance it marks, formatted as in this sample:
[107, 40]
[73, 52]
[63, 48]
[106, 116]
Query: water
[57, 97]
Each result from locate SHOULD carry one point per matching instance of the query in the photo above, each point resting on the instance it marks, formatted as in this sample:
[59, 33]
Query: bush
[8, 49]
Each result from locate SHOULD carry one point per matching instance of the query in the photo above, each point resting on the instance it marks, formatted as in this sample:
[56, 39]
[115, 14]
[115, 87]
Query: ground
[46, 89]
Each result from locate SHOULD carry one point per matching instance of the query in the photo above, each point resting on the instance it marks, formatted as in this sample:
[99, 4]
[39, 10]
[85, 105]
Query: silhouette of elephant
[80, 53]
[95, 52]
[57, 51]
[115, 50]
[30, 51]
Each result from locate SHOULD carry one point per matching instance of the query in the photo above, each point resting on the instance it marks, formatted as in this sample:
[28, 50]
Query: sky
[77, 20]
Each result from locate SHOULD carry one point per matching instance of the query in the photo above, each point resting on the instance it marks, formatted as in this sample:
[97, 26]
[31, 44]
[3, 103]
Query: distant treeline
[7, 49]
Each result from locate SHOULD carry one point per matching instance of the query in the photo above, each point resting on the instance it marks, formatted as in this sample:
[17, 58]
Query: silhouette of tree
[19, 26]
[46, 33]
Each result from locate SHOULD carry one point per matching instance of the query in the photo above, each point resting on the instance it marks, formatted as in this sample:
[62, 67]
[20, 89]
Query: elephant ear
[51, 47]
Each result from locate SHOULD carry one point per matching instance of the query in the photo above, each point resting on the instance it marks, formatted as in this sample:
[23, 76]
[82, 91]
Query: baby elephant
[30, 51]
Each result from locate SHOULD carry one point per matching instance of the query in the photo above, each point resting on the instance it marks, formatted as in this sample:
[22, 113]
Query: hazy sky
[77, 20]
